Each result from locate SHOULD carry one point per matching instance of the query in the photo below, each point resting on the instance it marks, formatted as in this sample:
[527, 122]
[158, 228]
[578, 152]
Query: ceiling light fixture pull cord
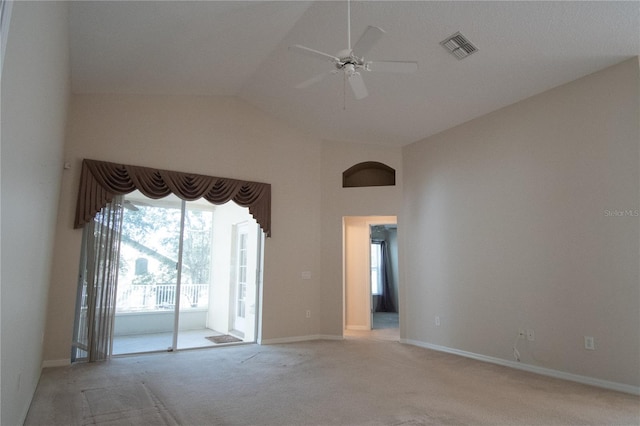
[344, 92]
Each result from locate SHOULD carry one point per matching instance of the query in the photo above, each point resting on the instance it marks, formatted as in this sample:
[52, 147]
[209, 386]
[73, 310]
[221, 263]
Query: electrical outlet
[531, 335]
[437, 321]
[308, 314]
[589, 343]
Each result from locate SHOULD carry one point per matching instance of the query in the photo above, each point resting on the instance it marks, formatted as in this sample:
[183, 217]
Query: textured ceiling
[240, 48]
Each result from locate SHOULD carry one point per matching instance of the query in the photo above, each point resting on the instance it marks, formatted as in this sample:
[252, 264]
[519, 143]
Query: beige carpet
[351, 382]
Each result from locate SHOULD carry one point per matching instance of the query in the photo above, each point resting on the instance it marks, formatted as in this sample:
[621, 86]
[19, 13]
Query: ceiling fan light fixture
[459, 46]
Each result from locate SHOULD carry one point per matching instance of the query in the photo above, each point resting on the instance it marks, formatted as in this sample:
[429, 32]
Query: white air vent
[459, 46]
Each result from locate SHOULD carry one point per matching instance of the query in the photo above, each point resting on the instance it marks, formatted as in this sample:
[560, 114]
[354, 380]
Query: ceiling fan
[133, 205]
[351, 60]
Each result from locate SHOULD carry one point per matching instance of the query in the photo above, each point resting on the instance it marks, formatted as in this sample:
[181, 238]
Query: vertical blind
[97, 283]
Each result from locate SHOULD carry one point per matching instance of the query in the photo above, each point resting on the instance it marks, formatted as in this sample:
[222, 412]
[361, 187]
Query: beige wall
[35, 91]
[338, 202]
[226, 137]
[215, 136]
[509, 228]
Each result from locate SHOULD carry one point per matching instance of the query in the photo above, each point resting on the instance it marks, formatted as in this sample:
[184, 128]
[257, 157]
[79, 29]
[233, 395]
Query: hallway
[385, 327]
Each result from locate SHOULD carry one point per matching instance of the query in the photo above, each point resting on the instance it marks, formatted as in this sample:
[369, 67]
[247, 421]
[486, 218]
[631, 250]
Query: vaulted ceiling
[240, 48]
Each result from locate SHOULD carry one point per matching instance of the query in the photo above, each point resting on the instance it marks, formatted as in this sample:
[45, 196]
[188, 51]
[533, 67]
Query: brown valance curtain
[100, 181]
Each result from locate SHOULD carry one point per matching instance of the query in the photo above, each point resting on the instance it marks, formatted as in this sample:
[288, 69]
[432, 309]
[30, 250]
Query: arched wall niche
[368, 173]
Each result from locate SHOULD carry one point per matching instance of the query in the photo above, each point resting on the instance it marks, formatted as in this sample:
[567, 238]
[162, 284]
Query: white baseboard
[358, 327]
[56, 363]
[300, 339]
[329, 337]
[620, 387]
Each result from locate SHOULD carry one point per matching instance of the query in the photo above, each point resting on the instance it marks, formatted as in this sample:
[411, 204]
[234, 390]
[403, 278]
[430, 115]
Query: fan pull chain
[344, 91]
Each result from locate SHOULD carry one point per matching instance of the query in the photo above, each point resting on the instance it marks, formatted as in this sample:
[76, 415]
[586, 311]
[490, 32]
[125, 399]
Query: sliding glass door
[196, 276]
[187, 275]
[211, 265]
[148, 279]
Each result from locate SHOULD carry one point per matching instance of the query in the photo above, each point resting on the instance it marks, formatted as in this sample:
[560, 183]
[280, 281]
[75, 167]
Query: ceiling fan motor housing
[348, 62]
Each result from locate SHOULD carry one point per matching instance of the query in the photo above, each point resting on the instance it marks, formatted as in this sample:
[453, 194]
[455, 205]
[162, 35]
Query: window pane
[376, 279]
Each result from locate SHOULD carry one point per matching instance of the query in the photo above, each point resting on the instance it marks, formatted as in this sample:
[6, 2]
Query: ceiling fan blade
[357, 85]
[129, 206]
[312, 52]
[392, 66]
[313, 80]
[370, 37]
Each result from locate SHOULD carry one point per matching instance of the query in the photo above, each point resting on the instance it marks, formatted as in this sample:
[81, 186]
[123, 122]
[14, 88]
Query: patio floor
[187, 339]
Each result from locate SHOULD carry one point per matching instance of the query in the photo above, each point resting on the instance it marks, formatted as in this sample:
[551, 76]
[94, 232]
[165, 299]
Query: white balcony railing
[156, 297]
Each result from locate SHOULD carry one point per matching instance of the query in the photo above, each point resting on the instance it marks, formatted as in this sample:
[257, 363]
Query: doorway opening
[188, 276]
[384, 277]
[370, 271]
